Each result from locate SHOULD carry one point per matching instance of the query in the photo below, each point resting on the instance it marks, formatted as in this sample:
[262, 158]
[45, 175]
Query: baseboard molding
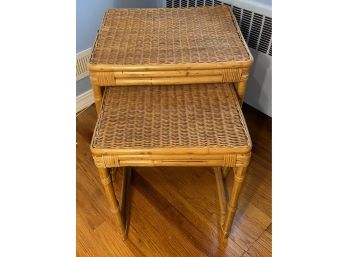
[84, 100]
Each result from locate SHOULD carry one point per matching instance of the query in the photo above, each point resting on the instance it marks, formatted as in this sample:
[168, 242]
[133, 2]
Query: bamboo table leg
[221, 192]
[240, 89]
[125, 197]
[124, 206]
[239, 174]
[105, 178]
[97, 92]
[124, 203]
[225, 171]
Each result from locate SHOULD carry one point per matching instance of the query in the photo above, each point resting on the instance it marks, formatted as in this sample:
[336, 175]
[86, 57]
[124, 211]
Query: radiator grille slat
[191, 3]
[237, 13]
[255, 30]
[200, 3]
[245, 23]
[266, 35]
[82, 60]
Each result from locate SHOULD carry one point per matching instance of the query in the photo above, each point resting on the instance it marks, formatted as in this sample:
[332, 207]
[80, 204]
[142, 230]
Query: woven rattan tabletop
[169, 36]
[162, 118]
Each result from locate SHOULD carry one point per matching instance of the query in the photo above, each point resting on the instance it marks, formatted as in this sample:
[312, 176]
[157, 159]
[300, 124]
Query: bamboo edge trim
[241, 116]
[114, 78]
[169, 67]
[109, 161]
[239, 32]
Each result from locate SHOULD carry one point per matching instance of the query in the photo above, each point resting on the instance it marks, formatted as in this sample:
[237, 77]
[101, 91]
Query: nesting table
[168, 84]
[167, 46]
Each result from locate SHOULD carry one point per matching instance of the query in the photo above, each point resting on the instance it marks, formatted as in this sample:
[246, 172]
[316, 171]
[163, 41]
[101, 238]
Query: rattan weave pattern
[197, 116]
[169, 36]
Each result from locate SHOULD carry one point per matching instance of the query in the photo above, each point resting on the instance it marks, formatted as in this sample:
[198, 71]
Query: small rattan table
[167, 46]
[172, 125]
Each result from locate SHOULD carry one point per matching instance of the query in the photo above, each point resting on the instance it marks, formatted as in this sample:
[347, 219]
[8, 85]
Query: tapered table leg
[105, 178]
[122, 199]
[240, 89]
[225, 171]
[98, 95]
[239, 174]
[221, 192]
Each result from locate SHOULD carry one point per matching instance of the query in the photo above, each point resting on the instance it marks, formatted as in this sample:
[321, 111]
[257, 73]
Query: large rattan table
[172, 125]
[167, 46]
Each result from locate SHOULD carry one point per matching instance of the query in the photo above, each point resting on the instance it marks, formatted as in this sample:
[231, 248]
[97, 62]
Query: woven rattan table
[167, 46]
[172, 125]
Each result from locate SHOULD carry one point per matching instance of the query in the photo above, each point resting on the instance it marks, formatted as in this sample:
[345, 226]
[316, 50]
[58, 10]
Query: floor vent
[256, 28]
[82, 59]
